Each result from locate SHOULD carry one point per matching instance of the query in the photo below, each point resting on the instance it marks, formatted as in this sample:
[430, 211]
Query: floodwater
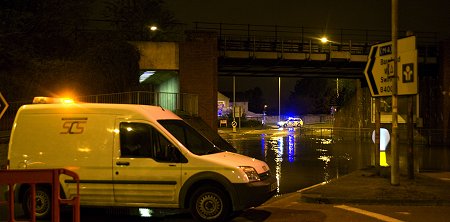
[304, 157]
[300, 159]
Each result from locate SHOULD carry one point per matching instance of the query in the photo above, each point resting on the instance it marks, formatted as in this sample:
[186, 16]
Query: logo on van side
[73, 125]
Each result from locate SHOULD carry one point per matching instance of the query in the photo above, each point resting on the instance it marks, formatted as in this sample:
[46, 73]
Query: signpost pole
[377, 135]
[234, 104]
[394, 139]
[410, 151]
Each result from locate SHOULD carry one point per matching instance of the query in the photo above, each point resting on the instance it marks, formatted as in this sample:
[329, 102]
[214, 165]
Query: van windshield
[189, 137]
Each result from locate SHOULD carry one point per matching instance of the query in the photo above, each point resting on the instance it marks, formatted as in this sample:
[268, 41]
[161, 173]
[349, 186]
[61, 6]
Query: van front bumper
[255, 193]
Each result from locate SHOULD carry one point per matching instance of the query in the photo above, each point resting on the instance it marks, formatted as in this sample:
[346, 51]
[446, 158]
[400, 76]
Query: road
[287, 207]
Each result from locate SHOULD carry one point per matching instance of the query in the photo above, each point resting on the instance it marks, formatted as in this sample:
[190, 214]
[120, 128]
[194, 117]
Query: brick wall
[198, 72]
[445, 84]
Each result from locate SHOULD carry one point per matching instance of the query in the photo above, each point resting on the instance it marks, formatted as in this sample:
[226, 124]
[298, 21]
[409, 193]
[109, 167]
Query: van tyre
[209, 203]
[43, 202]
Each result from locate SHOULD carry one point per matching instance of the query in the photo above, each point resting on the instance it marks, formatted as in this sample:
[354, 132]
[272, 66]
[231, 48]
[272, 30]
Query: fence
[431, 146]
[177, 102]
[422, 137]
[181, 103]
[43, 176]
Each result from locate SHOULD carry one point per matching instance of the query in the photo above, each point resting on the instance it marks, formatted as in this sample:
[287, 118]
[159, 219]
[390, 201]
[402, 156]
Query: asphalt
[366, 186]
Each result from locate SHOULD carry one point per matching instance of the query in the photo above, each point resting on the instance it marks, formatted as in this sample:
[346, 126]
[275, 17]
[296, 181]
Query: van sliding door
[143, 168]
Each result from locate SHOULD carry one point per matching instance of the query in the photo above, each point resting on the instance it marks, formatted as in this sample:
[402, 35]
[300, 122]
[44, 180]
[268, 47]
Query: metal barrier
[40, 176]
[180, 103]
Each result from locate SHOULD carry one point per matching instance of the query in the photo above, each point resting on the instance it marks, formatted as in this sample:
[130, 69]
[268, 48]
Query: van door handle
[122, 163]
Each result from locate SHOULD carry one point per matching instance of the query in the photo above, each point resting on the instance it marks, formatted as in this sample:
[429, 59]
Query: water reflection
[291, 148]
[325, 157]
[276, 146]
[298, 160]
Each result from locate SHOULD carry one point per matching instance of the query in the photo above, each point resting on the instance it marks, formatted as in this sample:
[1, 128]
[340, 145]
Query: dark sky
[416, 15]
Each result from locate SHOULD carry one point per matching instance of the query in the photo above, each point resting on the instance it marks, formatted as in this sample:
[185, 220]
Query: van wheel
[209, 203]
[43, 202]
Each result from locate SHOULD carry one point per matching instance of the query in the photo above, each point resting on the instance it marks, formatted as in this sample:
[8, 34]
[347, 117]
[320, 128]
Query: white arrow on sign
[380, 67]
[3, 105]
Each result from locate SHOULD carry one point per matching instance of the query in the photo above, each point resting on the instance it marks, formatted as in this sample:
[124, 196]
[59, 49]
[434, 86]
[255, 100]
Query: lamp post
[152, 31]
[394, 148]
[264, 116]
[324, 39]
[153, 28]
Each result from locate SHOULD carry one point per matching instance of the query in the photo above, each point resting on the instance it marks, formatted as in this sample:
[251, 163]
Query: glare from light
[324, 39]
[324, 158]
[145, 76]
[84, 149]
[67, 101]
[145, 212]
[52, 100]
[153, 28]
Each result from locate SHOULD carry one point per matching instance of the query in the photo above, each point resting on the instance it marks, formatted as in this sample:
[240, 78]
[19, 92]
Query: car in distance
[291, 122]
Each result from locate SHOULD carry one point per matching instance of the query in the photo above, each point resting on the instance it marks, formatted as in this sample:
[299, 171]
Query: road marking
[368, 213]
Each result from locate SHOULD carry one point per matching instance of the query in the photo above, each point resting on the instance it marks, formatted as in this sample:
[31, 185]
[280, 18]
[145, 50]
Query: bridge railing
[267, 44]
[273, 38]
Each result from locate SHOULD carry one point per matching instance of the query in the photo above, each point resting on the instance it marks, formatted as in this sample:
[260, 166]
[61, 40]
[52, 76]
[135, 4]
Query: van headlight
[251, 173]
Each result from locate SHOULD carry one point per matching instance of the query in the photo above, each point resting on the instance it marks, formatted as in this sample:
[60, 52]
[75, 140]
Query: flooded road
[300, 158]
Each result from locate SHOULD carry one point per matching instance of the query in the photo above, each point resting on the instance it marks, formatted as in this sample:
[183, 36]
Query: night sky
[416, 15]
[419, 15]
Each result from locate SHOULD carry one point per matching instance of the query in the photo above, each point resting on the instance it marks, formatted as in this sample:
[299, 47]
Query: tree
[114, 67]
[44, 52]
[41, 28]
[311, 96]
[255, 99]
[316, 96]
[35, 34]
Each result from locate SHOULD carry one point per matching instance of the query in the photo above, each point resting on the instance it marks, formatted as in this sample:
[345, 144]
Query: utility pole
[279, 98]
[234, 105]
[376, 153]
[394, 146]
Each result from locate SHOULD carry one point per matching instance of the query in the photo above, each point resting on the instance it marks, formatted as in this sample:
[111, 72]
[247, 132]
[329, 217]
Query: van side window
[135, 140]
[189, 137]
[139, 140]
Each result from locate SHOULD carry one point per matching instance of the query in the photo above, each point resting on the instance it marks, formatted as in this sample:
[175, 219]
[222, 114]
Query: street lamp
[264, 115]
[153, 28]
[324, 39]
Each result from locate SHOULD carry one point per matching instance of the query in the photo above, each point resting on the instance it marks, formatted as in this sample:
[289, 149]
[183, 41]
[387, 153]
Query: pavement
[366, 186]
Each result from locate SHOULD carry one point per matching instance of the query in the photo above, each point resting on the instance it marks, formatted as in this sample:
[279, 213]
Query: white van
[134, 156]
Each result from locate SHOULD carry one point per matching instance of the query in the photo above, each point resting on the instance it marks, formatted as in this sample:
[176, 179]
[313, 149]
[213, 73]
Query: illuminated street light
[324, 39]
[153, 28]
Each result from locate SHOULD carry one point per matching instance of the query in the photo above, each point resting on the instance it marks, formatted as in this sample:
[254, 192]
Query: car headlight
[251, 173]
